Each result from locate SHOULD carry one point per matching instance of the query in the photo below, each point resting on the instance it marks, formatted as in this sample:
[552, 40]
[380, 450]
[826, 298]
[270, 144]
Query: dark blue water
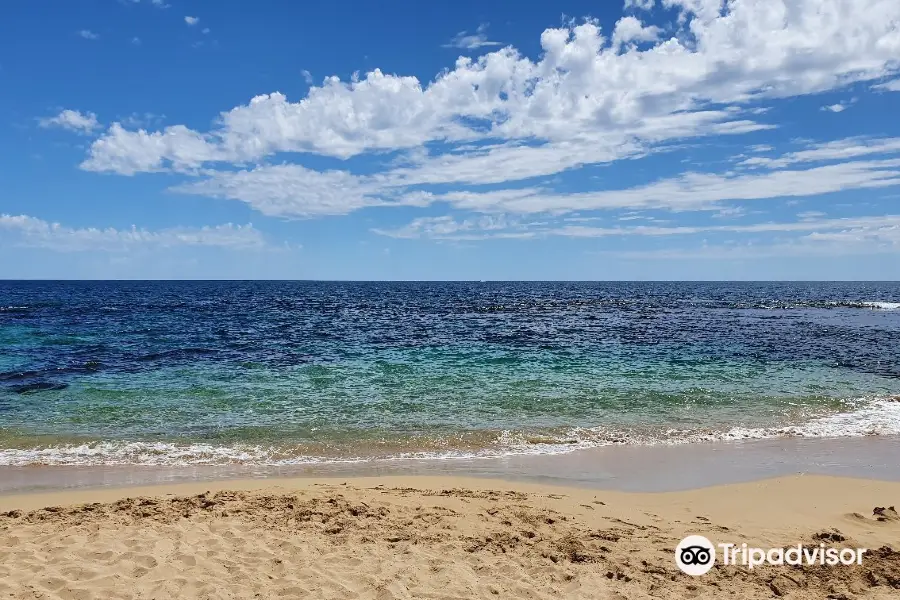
[285, 372]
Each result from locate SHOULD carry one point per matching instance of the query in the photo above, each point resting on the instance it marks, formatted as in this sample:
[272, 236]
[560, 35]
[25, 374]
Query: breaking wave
[876, 417]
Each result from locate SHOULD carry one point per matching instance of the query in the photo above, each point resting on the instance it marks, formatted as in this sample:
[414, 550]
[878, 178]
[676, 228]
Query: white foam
[882, 305]
[878, 416]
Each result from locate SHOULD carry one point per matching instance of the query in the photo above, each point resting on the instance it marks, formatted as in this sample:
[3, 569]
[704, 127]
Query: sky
[571, 140]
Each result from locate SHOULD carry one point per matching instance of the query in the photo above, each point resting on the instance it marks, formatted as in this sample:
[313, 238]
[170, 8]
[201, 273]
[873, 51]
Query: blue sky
[655, 139]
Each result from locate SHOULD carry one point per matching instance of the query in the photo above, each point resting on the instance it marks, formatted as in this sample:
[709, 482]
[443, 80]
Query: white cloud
[506, 120]
[447, 228]
[840, 106]
[142, 119]
[129, 152]
[466, 41]
[34, 232]
[88, 34]
[844, 149]
[288, 190]
[136, 41]
[307, 76]
[630, 29]
[154, 3]
[690, 191]
[823, 227]
[72, 120]
[293, 190]
[888, 86]
[191, 21]
[874, 234]
[639, 4]
[205, 31]
[863, 241]
[581, 86]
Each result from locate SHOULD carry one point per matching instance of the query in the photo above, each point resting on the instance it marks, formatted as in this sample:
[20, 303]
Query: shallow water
[282, 373]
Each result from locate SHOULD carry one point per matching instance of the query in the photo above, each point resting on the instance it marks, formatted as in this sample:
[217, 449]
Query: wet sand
[624, 468]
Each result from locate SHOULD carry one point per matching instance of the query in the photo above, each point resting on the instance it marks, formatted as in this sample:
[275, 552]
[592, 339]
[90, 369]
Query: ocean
[292, 373]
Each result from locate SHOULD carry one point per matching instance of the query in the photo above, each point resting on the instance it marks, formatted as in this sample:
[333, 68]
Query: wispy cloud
[812, 245]
[33, 232]
[472, 41]
[72, 120]
[843, 149]
[639, 4]
[880, 228]
[839, 107]
[142, 120]
[88, 34]
[888, 86]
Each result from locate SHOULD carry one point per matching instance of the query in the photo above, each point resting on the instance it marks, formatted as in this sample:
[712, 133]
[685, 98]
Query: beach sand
[438, 538]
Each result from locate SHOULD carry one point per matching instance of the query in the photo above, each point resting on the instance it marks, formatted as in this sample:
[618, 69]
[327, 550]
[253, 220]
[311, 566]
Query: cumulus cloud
[630, 29]
[506, 120]
[581, 85]
[72, 120]
[466, 41]
[191, 21]
[129, 152]
[34, 232]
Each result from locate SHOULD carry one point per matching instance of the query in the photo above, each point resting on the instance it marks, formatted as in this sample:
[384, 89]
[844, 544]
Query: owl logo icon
[695, 555]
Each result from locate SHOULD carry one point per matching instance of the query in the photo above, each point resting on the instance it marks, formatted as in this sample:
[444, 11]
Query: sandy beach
[439, 537]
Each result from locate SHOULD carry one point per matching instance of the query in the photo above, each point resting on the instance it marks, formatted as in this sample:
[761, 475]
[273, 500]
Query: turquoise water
[283, 372]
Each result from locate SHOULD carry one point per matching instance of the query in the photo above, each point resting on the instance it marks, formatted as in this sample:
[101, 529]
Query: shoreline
[793, 491]
[622, 468]
[396, 537]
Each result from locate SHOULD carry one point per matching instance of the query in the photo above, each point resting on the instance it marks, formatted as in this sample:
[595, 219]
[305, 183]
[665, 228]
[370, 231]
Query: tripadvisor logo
[696, 555]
